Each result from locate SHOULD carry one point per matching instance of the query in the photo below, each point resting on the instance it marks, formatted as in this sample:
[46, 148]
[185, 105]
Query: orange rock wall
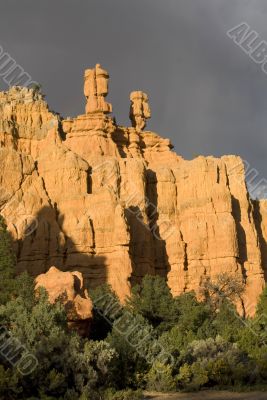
[87, 195]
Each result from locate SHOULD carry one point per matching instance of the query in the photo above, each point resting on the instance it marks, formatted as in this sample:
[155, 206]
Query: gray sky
[206, 94]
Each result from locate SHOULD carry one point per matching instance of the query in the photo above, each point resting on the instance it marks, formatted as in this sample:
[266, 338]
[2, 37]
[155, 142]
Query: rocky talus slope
[116, 203]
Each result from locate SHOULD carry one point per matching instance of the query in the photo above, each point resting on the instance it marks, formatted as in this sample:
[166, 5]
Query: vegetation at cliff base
[155, 341]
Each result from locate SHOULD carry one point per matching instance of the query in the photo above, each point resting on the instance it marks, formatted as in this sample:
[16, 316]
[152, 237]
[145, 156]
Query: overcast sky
[206, 94]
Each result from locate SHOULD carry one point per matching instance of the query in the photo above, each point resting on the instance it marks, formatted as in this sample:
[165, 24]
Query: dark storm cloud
[206, 94]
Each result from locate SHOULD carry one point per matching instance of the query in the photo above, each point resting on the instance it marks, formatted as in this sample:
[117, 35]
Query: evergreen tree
[262, 305]
[7, 264]
[67, 367]
[153, 300]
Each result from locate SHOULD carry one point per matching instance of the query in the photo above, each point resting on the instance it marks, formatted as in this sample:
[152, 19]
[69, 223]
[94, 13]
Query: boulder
[69, 288]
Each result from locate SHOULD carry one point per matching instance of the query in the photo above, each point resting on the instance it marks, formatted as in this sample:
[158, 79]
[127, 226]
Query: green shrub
[262, 305]
[160, 378]
[185, 375]
[214, 362]
[128, 394]
[134, 341]
[107, 307]
[68, 367]
[153, 300]
[7, 264]
[227, 323]
[194, 318]
[124, 351]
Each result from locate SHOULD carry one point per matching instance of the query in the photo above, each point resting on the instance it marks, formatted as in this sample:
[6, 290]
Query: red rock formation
[70, 288]
[139, 110]
[116, 203]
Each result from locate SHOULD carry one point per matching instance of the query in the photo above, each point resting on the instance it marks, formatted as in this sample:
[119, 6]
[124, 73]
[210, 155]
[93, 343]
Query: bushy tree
[214, 362]
[68, 366]
[160, 378]
[107, 308]
[153, 300]
[134, 340]
[7, 264]
[262, 306]
[224, 287]
[193, 321]
[127, 394]
[227, 322]
[155, 341]
[252, 338]
[194, 317]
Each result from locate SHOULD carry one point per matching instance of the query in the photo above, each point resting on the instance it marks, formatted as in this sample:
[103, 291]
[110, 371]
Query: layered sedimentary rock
[115, 203]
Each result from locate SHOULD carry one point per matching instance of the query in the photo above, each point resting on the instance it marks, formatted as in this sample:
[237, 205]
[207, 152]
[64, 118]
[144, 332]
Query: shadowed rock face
[114, 203]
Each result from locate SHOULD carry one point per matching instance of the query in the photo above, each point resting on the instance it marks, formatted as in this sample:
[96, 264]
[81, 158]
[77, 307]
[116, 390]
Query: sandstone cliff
[116, 203]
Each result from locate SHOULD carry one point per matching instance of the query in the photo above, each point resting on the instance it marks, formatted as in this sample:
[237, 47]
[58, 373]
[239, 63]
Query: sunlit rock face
[116, 203]
[68, 287]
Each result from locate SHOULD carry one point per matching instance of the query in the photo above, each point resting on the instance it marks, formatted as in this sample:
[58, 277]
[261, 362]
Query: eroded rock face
[96, 89]
[116, 203]
[139, 110]
[69, 287]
